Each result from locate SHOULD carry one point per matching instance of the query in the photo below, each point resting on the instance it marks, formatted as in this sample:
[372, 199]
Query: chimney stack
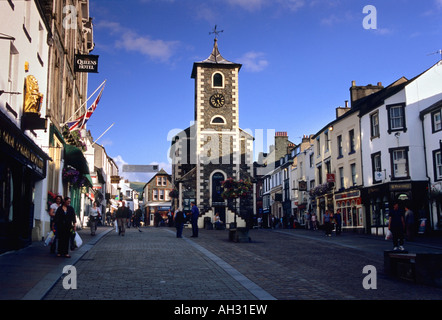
[359, 92]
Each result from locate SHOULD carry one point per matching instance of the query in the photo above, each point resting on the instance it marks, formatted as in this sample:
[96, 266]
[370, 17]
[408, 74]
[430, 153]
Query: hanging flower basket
[73, 177]
[236, 189]
[173, 194]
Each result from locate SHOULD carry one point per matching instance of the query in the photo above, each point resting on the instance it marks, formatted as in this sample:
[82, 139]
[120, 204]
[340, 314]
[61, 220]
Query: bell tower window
[218, 80]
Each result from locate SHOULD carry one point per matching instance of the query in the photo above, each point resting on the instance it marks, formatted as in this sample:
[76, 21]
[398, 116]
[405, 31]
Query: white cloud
[254, 5]
[253, 61]
[249, 5]
[129, 40]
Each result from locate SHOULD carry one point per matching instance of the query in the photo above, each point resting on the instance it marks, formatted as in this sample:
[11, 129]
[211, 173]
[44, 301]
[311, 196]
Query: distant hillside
[137, 186]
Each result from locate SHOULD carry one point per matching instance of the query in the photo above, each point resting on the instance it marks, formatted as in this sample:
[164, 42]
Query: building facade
[214, 148]
[24, 53]
[157, 201]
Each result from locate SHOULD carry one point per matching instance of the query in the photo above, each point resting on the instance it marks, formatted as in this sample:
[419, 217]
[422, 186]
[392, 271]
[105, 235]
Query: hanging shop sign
[115, 179]
[86, 63]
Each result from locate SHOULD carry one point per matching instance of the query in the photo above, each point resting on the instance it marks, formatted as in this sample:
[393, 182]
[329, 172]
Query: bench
[419, 268]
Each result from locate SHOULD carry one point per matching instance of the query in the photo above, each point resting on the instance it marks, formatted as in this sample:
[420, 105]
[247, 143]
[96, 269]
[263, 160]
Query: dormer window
[218, 80]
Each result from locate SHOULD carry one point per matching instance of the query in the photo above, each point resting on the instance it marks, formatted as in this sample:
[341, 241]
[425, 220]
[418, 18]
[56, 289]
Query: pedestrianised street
[277, 264]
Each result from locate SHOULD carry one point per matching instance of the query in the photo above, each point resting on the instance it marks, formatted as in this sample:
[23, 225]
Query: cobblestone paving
[149, 265]
[293, 264]
[286, 264]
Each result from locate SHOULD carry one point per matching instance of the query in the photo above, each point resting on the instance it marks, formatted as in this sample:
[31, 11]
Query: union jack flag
[79, 123]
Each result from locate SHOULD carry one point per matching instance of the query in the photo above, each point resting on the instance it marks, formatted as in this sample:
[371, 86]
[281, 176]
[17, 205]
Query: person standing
[327, 223]
[122, 217]
[65, 221]
[396, 224]
[179, 220]
[338, 220]
[308, 220]
[194, 220]
[409, 223]
[52, 210]
[94, 213]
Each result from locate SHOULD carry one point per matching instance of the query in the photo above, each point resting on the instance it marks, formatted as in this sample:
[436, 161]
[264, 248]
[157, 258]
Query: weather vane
[216, 32]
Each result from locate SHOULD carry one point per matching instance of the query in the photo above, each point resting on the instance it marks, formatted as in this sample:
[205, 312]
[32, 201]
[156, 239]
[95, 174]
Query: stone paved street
[276, 264]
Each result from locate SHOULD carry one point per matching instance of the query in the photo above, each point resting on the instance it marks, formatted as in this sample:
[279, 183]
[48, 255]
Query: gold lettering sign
[22, 149]
[32, 97]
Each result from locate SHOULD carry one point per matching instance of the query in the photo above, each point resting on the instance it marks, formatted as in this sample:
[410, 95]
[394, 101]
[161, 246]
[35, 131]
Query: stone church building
[214, 148]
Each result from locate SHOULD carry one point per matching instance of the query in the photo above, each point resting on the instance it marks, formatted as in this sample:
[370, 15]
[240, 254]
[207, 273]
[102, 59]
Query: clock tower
[218, 149]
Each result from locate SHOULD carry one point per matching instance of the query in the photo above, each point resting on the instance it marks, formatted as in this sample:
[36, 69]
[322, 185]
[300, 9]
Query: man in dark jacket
[396, 224]
[194, 220]
[121, 216]
[179, 219]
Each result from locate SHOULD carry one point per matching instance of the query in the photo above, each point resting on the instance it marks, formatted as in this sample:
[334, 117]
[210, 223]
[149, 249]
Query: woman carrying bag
[65, 221]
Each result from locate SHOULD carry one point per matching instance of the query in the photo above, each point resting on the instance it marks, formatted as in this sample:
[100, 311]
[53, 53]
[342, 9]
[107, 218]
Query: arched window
[218, 120]
[218, 80]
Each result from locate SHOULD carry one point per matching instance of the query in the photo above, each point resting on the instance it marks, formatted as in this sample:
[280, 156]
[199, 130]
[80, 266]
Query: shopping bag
[50, 237]
[78, 240]
[389, 235]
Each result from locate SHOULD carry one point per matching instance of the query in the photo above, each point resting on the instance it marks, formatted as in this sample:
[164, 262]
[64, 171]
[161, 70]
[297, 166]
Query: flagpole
[85, 101]
[102, 134]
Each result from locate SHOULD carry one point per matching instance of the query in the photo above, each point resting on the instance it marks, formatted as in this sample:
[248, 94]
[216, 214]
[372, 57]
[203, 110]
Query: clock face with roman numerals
[217, 100]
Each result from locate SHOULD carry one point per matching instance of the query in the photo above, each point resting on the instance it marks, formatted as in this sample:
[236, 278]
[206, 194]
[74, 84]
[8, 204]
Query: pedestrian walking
[94, 214]
[308, 219]
[194, 219]
[314, 222]
[137, 219]
[52, 210]
[179, 220]
[122, 217]
[327, 223]
[396, 224]
[65, 221]
[409, 223]
[338, 221]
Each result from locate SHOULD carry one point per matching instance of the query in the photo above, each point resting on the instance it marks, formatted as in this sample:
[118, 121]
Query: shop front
[22, 166]
[350, 204]
[379, 199]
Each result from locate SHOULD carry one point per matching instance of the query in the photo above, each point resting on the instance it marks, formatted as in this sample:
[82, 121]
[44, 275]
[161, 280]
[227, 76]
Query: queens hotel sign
[86, 63]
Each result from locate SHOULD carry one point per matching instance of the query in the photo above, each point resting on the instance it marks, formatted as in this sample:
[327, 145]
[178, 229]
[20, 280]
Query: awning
[88, 178]
[74, 157]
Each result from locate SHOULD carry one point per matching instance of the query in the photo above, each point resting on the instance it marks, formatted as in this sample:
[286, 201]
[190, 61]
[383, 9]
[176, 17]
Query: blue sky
[299, 58]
